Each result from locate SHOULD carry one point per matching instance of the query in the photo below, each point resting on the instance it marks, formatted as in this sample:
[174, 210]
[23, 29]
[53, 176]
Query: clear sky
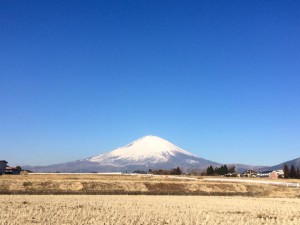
[220, 79]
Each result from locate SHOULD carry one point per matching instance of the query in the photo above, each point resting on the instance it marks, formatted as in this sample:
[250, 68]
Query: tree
[222, 170]
[298, 173]
[225, 170]
[219, 170]
[286, 171]
[293, 172]
[140, 171]
[210, 171]
[18, 168]
[231, 169]
[178, 171]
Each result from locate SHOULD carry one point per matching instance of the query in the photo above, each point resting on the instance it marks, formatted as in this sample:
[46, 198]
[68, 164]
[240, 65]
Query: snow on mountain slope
[148, 149]
[149, 152]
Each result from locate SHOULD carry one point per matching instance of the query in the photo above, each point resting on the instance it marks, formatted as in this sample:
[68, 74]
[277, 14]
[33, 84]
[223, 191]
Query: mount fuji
[149, 152]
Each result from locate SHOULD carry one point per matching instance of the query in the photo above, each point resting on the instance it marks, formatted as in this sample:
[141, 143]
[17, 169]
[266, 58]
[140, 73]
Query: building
[250, 173]
[3, 165]
[12, 170]
[280, 173]
[264, 173]
[273, 175]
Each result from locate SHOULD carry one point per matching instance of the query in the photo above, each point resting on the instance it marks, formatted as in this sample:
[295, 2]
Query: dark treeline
[140, 171]
[220, 170]
[175, 171]
[291, 172]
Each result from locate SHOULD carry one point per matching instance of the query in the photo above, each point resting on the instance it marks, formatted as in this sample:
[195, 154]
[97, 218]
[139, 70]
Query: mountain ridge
[148, 152]
[295, 162]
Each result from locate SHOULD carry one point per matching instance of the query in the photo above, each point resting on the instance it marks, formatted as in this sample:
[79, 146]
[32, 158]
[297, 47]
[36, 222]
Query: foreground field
[120, 209]
[137, 184]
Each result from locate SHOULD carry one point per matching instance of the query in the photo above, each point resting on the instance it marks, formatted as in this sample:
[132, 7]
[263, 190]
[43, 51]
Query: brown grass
[112, 209]
[146, 185]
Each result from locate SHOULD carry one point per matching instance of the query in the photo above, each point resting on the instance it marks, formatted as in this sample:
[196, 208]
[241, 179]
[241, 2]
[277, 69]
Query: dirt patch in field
[71, 186]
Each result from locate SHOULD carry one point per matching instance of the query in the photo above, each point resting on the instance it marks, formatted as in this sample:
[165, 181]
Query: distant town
[223, 171]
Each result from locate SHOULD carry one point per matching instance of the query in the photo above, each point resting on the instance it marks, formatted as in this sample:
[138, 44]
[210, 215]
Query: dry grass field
[110, 199]
[127, 209]
[138, 184]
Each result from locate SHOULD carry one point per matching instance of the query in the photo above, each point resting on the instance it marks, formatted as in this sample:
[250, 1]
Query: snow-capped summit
[149, 152]
[150, 148]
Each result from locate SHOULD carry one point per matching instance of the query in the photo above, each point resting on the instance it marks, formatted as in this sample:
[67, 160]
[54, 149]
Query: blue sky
[220, 79]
